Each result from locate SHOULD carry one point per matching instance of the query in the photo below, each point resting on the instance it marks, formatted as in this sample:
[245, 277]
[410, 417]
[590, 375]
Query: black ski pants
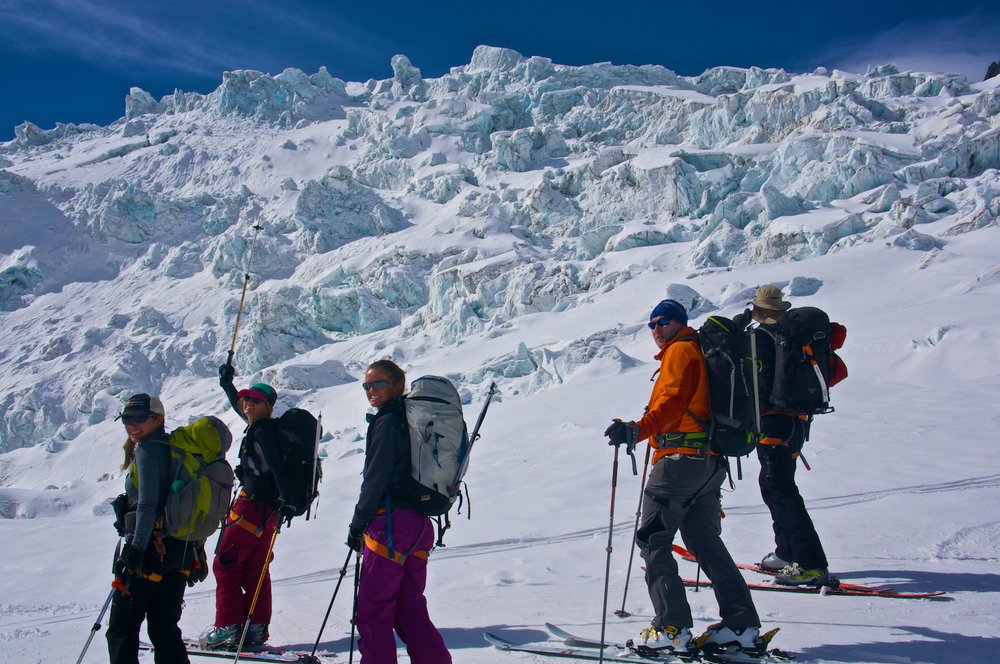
[684, 494]
[159, 604]
[795, 536]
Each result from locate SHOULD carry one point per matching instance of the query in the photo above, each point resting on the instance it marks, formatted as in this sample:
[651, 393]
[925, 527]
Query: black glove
[622, 433]
[287, 510]
[131, 562]
[200, 565]
[354, 537]
[226, 374]
[741, 321]
[120, 506]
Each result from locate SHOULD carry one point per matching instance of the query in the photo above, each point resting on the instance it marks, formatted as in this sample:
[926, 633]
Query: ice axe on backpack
[246, 282]
[473, 437]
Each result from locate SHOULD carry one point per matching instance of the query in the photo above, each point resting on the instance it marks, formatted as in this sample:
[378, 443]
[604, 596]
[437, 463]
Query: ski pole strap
[397, 556]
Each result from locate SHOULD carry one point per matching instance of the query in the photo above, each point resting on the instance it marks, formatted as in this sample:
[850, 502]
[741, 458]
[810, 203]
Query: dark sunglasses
[135, 419]
[661, 322]
[376, 385]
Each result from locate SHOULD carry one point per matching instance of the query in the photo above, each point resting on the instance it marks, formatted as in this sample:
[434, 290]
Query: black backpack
[302, 464]
[732, 429]
[802, 352]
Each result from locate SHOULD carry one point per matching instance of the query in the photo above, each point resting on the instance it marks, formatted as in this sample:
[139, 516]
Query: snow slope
[514, 221]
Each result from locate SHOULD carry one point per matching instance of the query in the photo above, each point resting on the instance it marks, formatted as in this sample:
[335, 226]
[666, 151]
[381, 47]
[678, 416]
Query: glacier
[444, 208]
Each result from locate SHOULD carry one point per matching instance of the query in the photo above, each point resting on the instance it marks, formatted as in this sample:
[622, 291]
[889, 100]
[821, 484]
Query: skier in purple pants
[396, 539]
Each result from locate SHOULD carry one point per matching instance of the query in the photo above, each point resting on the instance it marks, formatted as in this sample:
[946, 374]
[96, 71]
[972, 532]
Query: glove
[622, 433]
[226, 374]
[741, 321]
[200, 565]
[120, 506]
[131, 562]
[354, 537]
[287, 510]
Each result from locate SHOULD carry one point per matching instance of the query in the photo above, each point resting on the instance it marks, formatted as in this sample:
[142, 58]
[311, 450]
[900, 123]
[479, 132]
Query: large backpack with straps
[201, 488]
[805, 365]
[439, 445]
[732, 426]
[302, 465]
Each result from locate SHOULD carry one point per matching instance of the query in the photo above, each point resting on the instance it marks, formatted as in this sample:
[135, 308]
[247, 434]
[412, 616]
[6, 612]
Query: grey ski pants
[684, 494]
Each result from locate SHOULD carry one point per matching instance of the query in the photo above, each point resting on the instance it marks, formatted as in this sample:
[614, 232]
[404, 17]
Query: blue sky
[75, 60]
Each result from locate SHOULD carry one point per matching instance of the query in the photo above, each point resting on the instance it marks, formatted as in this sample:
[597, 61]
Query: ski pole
[622, 613]
[343, 572]
[97, 625]
[607, 568]
[256, 594]
[354, 609]
[802, 458]
[246, 281]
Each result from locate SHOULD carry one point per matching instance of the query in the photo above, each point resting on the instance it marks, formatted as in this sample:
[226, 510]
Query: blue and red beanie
[671, 310]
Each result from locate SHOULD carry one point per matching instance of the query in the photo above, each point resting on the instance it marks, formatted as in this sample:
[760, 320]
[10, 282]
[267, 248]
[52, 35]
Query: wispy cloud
[964, 44]
[195, 38]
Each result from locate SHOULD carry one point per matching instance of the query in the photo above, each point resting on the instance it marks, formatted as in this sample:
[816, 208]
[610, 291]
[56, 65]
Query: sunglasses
[135, 419]
[659, 322]
[376, 385]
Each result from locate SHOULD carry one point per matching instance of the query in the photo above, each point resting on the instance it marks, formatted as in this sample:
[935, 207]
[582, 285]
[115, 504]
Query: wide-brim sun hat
[768, 305]
[769, 297]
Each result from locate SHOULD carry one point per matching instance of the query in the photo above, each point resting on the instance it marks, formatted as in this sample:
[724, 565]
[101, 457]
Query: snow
[514, 221]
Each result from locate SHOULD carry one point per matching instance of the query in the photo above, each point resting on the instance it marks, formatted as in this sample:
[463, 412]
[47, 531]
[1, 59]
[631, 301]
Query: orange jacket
[681, 385]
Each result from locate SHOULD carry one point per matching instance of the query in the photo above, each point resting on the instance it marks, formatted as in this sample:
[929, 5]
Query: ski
[653, 653]
[579, 641]
[841, 588]
[590, 650]
[568, 652]
[267, 654]
[831, 590]
[687, 555]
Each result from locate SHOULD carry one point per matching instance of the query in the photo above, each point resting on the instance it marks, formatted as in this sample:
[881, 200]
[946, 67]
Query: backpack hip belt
[692, 444]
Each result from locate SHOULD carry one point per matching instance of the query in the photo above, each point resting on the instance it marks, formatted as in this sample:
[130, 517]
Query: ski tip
[555, 630]
[497, 641]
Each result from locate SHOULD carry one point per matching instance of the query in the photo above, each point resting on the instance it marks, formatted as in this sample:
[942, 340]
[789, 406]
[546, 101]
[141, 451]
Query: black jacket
[262, 456]
[764, 337]
[387, 463]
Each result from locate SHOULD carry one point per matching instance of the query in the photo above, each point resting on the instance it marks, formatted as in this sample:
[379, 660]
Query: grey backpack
[439, 445]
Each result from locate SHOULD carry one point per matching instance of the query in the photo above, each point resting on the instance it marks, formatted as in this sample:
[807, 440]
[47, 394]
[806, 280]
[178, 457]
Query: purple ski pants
[391, 594]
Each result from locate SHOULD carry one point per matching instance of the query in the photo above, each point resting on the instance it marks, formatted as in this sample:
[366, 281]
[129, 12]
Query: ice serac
[446, 208]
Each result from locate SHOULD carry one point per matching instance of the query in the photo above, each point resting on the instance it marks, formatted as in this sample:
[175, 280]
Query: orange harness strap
[381, 549]
[238, 520]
